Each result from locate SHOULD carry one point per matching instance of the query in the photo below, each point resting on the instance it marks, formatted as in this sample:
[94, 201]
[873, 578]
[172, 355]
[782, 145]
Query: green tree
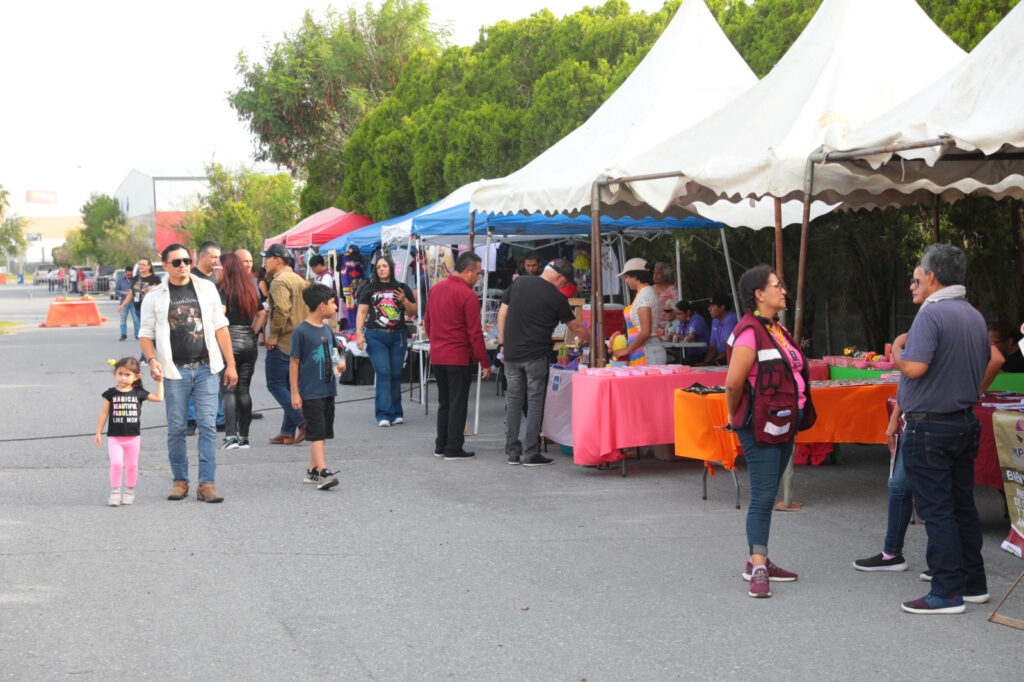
[101, 216]
[471, 113]
[4, 202]
[12, 235]
[243, 208]
[313, 88]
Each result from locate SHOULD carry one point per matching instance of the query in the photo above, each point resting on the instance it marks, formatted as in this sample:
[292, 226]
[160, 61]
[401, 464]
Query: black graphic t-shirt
[386, 314]
[186, 322]
[125, 410]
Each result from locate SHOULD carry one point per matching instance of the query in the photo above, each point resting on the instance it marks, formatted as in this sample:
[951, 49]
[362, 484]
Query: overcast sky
[91, 90]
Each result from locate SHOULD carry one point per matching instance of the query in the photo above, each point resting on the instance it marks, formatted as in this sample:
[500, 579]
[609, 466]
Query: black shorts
[319, 414]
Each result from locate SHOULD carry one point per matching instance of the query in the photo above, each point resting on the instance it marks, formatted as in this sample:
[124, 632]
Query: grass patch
[6, 327]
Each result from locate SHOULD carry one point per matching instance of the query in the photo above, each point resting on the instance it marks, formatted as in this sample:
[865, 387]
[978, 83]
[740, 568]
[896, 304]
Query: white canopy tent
[962, 134]
[691, 71]
[828, 83]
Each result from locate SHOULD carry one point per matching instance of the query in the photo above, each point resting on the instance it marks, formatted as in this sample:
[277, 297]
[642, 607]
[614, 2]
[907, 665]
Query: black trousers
[453, 403]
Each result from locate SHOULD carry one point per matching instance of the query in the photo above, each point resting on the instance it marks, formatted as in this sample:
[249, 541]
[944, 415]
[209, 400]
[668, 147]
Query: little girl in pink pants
[122, 407]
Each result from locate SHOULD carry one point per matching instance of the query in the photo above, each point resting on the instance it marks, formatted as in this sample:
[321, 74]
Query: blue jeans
[765, 465]
[220, 409]
[201, 386]
[126, 312]
[276, 366]
[901, 505]
[939, 458]
[387, 354]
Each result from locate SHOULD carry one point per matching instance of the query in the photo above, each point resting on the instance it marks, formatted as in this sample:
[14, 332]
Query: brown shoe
[300, 435]
[282, 439]
[179, 491]
[206, 493]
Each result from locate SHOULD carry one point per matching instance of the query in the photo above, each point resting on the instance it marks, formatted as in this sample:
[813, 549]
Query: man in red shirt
[452, 321]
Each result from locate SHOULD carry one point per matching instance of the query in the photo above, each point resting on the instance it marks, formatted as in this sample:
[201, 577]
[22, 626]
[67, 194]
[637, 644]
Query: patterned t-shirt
[125, 411]
[185, 318]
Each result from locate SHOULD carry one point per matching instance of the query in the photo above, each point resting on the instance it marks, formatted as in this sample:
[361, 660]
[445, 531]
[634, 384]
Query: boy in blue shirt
[312, 375]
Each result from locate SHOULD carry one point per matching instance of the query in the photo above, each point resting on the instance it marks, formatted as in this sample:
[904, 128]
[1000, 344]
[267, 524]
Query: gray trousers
[527, 382]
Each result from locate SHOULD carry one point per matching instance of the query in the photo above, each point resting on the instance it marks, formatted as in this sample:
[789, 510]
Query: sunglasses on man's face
[178, 262]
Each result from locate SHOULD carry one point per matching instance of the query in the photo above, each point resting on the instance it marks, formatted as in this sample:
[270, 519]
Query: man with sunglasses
[184, 338]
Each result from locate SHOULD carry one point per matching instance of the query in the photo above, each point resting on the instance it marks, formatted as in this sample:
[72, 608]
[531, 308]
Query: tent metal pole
[679, 271]
[787, 475]
[483, 319]
[597, 355]
[728, 267]
[778, 238]
[472, 230]
[778, 247]
[821, 156]
[622, 259]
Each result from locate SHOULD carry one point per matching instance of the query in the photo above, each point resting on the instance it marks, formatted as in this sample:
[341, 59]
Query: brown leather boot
[206, 493]
[179, 491]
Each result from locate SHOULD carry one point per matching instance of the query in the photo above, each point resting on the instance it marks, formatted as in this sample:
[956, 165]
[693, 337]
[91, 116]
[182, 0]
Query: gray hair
[666, 269]
[948, 262]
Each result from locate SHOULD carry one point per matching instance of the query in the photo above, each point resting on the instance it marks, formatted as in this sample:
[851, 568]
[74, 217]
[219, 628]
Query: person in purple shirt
[723, 320]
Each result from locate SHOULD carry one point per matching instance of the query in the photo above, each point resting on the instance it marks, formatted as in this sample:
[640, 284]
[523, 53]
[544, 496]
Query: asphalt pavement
[415, 568]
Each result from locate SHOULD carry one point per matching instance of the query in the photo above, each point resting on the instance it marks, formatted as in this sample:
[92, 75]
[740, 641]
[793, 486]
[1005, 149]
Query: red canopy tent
[319, 228]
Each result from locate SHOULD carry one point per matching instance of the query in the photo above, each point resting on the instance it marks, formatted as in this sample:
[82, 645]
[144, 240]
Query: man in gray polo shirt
[943, 359]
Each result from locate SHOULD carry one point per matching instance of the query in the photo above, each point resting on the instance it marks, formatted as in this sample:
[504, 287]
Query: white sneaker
[128, 497]
[383, 422]
[397, 421]
[115, 498]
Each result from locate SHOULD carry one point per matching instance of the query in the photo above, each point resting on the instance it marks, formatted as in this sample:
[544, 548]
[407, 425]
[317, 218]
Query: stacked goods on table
[854, 358]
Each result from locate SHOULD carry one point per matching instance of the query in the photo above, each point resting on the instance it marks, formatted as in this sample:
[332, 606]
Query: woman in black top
[245, 319]
[380, 328]
[141, 283]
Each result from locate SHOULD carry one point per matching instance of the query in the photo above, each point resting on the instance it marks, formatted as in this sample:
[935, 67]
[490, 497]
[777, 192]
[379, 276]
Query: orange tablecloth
[610, 413]
[846, 414]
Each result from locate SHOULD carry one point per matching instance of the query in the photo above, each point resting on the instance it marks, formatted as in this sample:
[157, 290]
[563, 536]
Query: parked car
[41, 273]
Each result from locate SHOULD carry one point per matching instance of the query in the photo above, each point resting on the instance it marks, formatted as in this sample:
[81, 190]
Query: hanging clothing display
[352, 273]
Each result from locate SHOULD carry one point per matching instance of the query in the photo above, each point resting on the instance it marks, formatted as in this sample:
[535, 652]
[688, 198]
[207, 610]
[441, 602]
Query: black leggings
[237, 402]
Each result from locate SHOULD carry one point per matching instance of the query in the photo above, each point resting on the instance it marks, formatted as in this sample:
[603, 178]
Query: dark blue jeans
[765, 465]
[387, 354]
[939, 458]
[901, 505]
[276, 366]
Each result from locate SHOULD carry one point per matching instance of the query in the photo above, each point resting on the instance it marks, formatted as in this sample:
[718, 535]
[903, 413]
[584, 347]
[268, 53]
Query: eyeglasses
[779, 285]
[177, 262]
[915, 283]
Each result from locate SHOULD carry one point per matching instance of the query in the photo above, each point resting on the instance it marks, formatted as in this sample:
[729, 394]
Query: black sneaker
[878, 563]
[243, 443]
[926, 576]
[461, 454]
[312, 476]
[538, 461]
[191, 430]
[513, 459]
[257, 415]
[438, 452]
[327, 480]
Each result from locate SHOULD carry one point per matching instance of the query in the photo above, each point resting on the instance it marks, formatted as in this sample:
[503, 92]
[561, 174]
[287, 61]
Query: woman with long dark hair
[768, 395]
[245, 320]
[380, 327]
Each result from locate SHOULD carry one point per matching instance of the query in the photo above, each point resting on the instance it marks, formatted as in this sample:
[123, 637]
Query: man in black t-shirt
[530, 310]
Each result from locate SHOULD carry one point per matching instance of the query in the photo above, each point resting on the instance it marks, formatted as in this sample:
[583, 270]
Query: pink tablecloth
[611, 413]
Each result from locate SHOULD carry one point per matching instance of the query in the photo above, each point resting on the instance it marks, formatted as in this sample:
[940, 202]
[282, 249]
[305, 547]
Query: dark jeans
[387, 353]
[901, 505]
[237, 401]
[527, 382]
[939, 458]
[765, 465]
[276, 366]
[452, 404]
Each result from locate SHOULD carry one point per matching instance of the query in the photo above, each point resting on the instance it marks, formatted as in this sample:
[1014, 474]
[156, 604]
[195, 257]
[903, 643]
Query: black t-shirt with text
[385, 313]
[535, 307]
[125, 410]
[185, 319]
